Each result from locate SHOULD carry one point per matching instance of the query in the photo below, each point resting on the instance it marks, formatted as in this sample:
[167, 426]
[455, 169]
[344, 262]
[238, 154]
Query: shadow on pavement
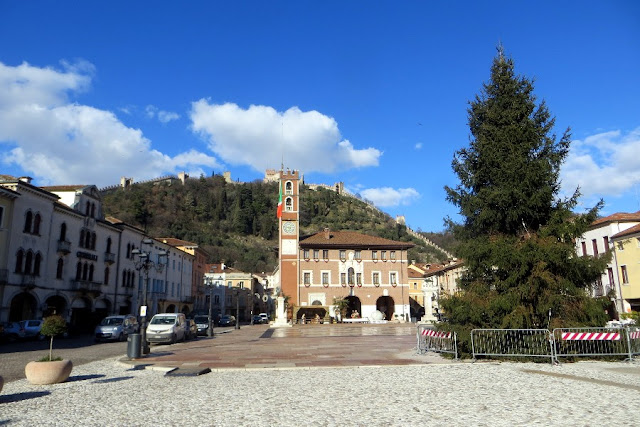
[16, 397]
[84, 377]
[112, 380]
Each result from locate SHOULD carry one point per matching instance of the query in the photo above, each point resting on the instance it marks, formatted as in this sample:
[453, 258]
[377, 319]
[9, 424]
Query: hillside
[236, 223]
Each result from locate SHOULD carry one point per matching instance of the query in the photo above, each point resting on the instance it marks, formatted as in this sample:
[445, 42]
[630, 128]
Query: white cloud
[163, 116]
[603, 165]
[418, 146]
[58, 142]
[260, 137]
[387, 196]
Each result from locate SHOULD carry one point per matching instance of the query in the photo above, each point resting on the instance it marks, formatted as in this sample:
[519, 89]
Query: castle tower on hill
[289, 234]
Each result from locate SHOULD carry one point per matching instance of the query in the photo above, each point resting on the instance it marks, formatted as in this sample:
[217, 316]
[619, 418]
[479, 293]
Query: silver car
[116, 328]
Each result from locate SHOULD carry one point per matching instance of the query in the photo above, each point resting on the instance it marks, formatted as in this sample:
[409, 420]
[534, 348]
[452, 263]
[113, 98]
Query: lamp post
[211, 283]
[144, 264]
[237, 308]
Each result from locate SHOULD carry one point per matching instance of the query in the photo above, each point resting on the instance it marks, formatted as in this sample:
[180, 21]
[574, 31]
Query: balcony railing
[109, 258]
[85, 285]
[64, 246]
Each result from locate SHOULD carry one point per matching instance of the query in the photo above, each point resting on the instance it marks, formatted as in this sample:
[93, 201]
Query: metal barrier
[634, 340]
[436, 341]
[582, 342]
[512, 343]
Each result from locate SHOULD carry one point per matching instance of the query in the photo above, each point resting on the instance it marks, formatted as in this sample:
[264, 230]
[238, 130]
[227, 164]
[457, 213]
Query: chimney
[26, 179]
[327, 233]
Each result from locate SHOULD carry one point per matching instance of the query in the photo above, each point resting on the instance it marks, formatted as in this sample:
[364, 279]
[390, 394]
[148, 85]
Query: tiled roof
[64, 187]
[350, 239]
[633, 230]
[414, 274]
[617, 217]
[175, 242]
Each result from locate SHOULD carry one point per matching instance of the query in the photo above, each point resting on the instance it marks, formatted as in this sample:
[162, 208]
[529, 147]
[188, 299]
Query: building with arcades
[59, 254]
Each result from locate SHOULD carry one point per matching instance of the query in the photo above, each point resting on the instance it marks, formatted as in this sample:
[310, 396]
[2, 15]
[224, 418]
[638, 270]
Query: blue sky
[370, 93]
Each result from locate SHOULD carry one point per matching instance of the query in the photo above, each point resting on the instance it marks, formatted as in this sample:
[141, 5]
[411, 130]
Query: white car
[167, 328]
[265, 317]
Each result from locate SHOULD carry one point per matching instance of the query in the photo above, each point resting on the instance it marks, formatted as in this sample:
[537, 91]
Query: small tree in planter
[48, 370]
[52, 326]
[340, 305]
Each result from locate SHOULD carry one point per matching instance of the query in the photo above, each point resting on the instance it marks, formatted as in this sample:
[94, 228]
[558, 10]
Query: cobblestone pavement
[111, 393]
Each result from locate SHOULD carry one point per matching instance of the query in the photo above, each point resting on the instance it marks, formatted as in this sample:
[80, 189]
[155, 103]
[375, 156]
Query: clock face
[289, 227]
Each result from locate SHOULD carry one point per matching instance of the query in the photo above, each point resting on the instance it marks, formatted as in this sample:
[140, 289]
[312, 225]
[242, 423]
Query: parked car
[265, 317]
[191, 331]
[32, 329]
[203, 324]
[116, 328]
[13, 331]
[256, 320]
[167, 328]
[227, 320]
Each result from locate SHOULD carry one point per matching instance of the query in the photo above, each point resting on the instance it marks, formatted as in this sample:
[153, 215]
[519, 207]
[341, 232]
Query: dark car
[203, 324]
[12, 331]
[258, 320]
[191, 330]
[227, 320]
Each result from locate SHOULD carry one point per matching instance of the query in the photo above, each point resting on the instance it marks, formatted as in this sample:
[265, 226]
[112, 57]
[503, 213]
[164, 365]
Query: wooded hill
[236, 222]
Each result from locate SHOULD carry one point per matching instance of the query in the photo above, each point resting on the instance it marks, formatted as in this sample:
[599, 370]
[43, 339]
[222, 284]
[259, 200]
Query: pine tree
[517, 236]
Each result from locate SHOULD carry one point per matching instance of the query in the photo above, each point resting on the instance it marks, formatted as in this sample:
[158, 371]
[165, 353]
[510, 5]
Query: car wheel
[173, 339]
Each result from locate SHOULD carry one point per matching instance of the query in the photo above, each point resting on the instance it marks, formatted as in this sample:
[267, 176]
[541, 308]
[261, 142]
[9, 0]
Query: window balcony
[85, 286]
[109, 258]
[64, 247]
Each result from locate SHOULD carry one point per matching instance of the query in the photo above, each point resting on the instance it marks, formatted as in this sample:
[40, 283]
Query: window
[325, 254]
[376, 279]
[325, 278]
[1, 215]
[415, 286]
[59, 268]
[351, 276]
[288, 204]
[288, 188]
[109, 245]
[620, 246]
[91, 273]
[87, 240]
[392, 255]
[125, 278]
[392, 278]
[315, 254]
[229, 284]
[241, 285]
[79, 271]
[63, 232]
[36, 264]
[36, 224]
[374, 255]
[28, 218]
[625, 276]
[305, 254]
[594, 243]
[383, 255]
[27, 263]
[584, 248]
[106, 275]
[343, 279]
[93, 210]
[216, 299]
[343, 255]
[129, 251]
[357, 255]
[606, 243]
[610, 274]
[19, 261]
[359, 279]
[307, 278]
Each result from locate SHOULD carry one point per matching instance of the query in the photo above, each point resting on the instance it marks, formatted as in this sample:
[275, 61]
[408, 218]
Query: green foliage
[341, 304]
[236, 223]
[517, 237]
[52, 326]
[48, 358]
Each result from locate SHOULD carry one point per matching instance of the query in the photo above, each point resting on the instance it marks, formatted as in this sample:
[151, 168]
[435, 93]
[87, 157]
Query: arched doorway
[81, 321]
[125, 308]
[354, 305]
[55, 305]
[102, 308]
[23, 307]
[171, 308]
[385, 305]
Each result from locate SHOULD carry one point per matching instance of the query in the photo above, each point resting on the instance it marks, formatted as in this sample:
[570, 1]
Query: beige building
[627, 260]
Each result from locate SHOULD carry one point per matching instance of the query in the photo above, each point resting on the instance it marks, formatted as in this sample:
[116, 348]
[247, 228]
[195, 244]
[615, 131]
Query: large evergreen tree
[517, 236]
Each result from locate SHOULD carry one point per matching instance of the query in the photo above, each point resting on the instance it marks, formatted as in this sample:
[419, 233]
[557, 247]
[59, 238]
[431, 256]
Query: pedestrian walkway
[301, 346]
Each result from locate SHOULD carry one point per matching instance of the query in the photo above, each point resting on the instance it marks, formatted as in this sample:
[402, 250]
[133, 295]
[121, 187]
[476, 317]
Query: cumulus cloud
[260, 136]
[59, 142]
[388, 197]
[603, 165]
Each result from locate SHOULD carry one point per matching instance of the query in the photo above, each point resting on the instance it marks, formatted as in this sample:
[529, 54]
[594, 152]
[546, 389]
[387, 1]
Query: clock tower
[288, 226]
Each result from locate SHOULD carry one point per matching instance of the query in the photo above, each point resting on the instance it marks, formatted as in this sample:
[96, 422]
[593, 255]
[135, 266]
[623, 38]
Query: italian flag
[279, 214]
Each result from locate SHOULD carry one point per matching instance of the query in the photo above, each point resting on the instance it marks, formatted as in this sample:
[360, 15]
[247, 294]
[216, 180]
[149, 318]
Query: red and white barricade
[436, 341]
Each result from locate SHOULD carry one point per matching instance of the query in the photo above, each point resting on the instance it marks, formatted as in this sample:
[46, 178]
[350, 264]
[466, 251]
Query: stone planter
[48, 372]
[1, 382]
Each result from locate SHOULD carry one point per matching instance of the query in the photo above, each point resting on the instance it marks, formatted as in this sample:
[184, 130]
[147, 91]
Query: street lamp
[145, 264]
[211, 283]
[237, 308]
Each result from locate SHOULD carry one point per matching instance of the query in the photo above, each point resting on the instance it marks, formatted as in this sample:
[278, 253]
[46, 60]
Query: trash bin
[133, 346]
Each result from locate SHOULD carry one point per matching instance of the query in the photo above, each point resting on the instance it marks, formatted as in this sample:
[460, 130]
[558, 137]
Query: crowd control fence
[512, 343]
[602, 342]
[436, 341]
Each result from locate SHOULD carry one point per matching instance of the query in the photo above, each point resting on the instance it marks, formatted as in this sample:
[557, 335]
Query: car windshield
[111, 321]
[201, 319]
[163, 320]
